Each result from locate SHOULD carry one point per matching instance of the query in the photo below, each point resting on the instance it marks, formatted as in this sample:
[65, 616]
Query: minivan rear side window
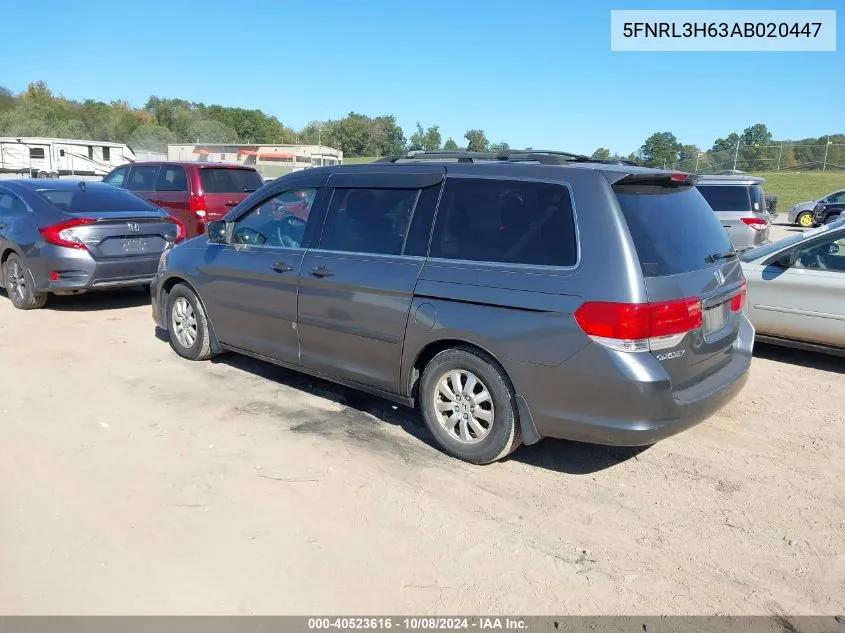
[726, 197]
[673, 228]
[505, 221]
[172, 178]
[229, 180]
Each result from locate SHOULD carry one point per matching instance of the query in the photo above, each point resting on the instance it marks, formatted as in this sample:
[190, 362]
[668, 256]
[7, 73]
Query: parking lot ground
[132, 481]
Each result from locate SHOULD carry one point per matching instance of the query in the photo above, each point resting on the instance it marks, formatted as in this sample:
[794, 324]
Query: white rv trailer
[31, 157]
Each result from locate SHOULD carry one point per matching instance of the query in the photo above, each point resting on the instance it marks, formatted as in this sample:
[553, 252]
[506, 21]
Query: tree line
[38, 112]
[753, 149]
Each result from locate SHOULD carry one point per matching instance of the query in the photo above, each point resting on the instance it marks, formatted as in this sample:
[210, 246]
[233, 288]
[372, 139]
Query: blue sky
[535, 73]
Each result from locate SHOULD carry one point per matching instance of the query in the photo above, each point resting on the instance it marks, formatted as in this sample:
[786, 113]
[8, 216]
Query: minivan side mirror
[216, 232]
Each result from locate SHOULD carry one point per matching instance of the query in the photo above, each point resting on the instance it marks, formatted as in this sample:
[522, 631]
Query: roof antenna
[82, 185]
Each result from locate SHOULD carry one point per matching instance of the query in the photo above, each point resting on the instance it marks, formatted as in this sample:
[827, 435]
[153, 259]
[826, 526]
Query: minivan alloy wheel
[464, 406]
[184, 322]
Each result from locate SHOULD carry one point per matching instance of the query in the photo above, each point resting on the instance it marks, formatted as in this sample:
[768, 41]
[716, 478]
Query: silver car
[740, 205]
[802, 212]
[796, 289]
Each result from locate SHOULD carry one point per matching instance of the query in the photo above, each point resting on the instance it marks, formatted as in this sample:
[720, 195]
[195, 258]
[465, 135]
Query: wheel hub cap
[184, 322]
[464, 406]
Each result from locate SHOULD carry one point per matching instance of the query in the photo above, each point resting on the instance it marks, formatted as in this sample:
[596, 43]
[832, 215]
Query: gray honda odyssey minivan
[508, 297]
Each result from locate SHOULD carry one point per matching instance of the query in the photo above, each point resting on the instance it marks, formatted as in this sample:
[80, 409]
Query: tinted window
[726, 197]
[828, 255]
[172, 178]
[36, 152]
[837, 198]
[420, 232]
[228, 180]
[117, 177]
[674, 229]
[10, 203]
[100, 200]
[368, 220]
[278, 221]
[106, 153]
[758, 198]
[142, 178]
[505, 221]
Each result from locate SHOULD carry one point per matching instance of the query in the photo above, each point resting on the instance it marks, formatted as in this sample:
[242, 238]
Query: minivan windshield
[673, 228]
[727, 197]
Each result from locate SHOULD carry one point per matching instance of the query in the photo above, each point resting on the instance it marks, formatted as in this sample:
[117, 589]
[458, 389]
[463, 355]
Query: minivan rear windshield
[673, 228]
[726, 197]
[229, 180]
[105, 200]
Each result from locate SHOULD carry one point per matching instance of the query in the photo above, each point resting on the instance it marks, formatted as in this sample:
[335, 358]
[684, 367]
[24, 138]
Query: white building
[53, 157]
[270, 160]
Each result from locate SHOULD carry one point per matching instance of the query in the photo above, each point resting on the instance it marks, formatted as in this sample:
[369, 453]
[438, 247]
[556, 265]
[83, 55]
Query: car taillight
[180, 229]
[198, 206]
[64, 234]
[634, 327]
[738, 300]
[756, 223]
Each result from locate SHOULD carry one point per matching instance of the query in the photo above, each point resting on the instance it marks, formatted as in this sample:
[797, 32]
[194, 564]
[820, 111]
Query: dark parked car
[195, 193]
[68, 237]
[827, 213]
[509, 298]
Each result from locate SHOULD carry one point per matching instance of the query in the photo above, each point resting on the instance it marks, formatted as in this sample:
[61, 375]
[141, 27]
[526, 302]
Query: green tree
[499, 147]
[7, 100]
[211, 131]
[602, 153]
[476, 141]
[661, 148]
[450, 145]
[727, 143]
[151, 137]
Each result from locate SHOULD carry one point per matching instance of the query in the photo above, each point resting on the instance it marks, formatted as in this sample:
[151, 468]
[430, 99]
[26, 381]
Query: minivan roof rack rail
[542, 156]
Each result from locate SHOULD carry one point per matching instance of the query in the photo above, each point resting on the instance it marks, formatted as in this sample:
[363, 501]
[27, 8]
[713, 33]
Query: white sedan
[796, 289]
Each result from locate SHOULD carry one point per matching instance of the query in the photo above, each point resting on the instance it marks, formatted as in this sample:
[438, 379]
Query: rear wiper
[714, 257]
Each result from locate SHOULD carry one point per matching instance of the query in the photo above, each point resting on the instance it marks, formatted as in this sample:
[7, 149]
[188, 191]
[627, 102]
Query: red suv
[195, 193]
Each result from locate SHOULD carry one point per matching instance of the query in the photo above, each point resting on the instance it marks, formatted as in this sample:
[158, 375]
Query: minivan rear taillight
[636, 327]
[64, 234]
[198, 206]
[738, 300]
[756, 223]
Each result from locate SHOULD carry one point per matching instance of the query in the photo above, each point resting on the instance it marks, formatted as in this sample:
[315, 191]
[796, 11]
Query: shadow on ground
[811, 360]
[556, 455]
[99, 300]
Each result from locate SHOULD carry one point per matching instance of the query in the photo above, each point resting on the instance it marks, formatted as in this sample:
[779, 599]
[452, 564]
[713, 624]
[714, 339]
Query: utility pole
[826, 147]
[697, 157]
[736, 154]
[780, 156]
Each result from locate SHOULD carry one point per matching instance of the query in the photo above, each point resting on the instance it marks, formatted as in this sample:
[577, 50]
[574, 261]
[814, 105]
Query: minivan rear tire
[184, 310]
[503, 433]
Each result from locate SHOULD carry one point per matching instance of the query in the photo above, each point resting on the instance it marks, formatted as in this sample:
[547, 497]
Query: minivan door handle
[321, 271]
[281, 267]
[230, 203]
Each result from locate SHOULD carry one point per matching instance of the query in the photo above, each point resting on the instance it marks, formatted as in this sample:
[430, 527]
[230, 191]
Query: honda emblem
[720, 278]
[133, 227]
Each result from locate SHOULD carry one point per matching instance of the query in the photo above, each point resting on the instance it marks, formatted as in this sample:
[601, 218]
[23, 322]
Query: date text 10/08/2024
[418, 623]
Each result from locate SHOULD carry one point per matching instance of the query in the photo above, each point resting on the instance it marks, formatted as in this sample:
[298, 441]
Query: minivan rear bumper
[622, 399]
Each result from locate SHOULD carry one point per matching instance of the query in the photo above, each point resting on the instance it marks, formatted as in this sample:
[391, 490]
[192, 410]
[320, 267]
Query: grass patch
[359, 160]
[791, 187]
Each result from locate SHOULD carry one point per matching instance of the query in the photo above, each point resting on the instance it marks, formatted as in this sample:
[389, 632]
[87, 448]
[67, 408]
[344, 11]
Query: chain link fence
[766, 158]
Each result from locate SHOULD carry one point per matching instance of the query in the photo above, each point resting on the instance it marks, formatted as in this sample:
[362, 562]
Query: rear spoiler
[653, 178]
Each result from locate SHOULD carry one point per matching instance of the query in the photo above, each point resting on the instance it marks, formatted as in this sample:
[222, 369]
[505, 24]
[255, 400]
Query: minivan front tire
[469, 406]
[187, 324]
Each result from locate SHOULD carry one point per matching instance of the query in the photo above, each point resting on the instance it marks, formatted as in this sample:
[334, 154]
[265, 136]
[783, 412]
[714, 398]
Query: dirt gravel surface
[132, 482]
